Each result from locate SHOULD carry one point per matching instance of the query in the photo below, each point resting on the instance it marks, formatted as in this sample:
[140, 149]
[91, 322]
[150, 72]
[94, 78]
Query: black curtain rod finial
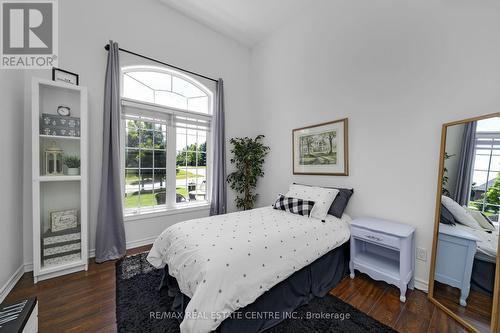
[106, 47]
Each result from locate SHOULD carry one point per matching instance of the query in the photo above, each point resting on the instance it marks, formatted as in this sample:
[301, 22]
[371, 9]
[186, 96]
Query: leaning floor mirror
[464, 277]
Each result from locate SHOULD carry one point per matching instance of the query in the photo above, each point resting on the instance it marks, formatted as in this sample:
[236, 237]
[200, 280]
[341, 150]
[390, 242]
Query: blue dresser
[385, 251]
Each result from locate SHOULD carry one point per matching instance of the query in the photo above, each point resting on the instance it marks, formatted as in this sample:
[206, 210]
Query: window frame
[492, 137]
[167, 114]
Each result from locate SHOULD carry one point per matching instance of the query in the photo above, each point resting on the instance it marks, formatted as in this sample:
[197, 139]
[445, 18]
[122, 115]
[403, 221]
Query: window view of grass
[146, 165]
[182, 174]
[147, 199]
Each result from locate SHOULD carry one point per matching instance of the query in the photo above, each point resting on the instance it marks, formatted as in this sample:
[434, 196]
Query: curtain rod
[163, 63]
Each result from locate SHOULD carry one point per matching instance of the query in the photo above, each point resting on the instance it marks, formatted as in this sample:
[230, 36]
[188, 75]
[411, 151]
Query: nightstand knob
[374, 238]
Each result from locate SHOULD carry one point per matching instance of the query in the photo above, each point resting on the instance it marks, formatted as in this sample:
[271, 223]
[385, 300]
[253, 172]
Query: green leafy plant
[493, 196]
[72, 161]
[444, 189]
[248, 159]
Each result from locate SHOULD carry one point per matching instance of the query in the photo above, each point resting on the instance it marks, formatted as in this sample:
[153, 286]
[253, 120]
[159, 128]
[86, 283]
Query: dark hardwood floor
[85, 302]
[381, 301]
[478, 309]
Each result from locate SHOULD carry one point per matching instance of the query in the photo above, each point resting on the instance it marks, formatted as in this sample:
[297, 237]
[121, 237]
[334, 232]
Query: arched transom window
[161, 87]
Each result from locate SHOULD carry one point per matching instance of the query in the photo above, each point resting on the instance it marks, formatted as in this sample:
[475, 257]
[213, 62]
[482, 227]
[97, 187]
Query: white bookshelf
[58, 137]
[59, 178]
[59, 192]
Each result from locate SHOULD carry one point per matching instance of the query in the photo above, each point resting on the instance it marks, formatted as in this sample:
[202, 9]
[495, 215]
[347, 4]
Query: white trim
[28, 267]
[422, 285]
[141, 242]
[170, 211]
[136, 104]
[9, 285]
[55, 273]
[131, 244]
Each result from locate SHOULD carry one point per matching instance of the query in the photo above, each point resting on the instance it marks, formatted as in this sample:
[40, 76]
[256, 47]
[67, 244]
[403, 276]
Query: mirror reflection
[468, 222]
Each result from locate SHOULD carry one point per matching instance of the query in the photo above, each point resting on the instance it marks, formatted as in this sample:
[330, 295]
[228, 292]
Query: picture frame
[321, 149]
[63, 219]
[62, 75]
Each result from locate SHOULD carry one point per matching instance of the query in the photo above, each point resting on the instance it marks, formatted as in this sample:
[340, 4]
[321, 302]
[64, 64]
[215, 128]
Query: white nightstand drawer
[375, 237]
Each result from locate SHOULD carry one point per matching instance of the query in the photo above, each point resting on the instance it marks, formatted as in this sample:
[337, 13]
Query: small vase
[73, 171]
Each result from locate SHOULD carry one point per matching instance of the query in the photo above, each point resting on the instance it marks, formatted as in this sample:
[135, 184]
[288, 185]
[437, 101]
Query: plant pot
[73, 171]
[161, 198]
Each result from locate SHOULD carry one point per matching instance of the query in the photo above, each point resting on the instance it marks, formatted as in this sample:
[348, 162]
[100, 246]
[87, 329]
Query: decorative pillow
[481, 219]
[459, 213]
[322, 197]
[294, 205]
[340, 202]
[446, 217]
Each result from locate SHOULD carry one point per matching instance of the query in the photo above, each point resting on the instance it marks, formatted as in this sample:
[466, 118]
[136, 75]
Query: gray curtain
[465, 164]
[110, 233]
[219, 190]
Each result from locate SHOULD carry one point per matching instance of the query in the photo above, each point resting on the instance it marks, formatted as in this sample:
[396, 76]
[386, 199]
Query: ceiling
[247, 21]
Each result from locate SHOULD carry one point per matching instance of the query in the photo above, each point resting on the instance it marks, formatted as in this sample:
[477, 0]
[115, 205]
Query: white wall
[151, 28]
[398, 70]
[11, 138]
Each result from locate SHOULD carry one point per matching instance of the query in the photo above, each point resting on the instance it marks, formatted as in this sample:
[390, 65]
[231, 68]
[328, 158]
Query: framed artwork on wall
[321, 149]
[65, 76]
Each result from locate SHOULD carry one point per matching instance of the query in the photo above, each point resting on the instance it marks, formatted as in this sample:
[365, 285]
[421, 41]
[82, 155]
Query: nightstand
[385, 251]
[454, 243]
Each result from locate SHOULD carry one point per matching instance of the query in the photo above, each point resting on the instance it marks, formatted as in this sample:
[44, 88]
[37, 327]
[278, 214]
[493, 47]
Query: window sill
[171, 211]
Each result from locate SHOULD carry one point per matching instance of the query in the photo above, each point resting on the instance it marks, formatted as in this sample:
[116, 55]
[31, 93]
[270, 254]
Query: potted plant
[73, 164]
[248, 159]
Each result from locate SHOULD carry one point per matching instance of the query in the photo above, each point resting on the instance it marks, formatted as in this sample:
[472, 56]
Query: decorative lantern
[53, 160]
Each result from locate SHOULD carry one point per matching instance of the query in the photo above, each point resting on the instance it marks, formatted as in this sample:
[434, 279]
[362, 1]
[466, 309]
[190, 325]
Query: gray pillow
[446, 217]
[340, 203]
[341, 200]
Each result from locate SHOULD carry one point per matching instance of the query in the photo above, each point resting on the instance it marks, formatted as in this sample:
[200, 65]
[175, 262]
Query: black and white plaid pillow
[294, 205]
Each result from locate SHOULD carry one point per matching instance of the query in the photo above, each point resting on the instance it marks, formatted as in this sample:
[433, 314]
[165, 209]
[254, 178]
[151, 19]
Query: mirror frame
[495, 323]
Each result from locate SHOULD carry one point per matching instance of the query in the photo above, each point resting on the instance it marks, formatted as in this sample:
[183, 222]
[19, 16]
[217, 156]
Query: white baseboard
[131, 244]
[28, 267]
[422, 285]
[9, 285]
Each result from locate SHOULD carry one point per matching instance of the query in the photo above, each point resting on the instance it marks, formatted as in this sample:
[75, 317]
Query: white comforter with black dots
[226, 262]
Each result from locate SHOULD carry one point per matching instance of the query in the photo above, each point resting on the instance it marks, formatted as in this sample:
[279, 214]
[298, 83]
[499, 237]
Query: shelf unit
[59, 178]
[57, 253]
[58, 137]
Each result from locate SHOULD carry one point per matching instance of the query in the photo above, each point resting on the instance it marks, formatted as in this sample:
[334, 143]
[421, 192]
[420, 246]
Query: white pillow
[481, 220]
[322, 197]
[460, 214]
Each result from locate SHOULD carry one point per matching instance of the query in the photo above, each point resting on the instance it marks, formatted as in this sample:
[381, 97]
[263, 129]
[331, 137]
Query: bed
[252, 261]
[483, 271]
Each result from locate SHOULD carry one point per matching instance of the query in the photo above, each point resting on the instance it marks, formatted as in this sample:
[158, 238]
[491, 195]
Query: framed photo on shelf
[64, 76]
[321, 149]
[63, 219]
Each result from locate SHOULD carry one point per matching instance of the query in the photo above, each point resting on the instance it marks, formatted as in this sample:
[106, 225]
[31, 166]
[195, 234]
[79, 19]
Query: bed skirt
[278, 303]
[483, 276]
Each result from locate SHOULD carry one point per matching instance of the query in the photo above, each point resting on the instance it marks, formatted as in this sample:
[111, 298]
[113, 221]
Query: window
[485, 188]
[159, 87]
[166, 129]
